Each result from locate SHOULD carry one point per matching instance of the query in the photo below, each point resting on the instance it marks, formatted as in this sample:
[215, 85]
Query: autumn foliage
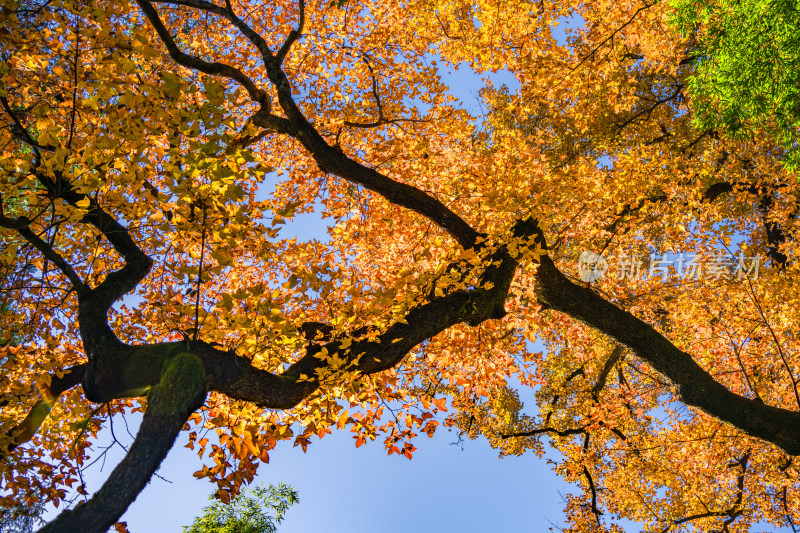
[154, 154]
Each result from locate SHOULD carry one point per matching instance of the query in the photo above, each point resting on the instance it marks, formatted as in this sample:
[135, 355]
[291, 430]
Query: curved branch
[695, 387]
[328, 158]
[22, 226]
[94, 303]
[134, 368]
[539, 431]
[237, 378]
[24, 431]
[131, 370]
[270, 122]
[595, 510]
[192, 62]
[137, 263]
[179, 393]
[333, 161]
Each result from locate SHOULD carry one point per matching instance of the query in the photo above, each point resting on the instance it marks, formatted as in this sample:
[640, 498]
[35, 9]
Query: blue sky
[343, 489]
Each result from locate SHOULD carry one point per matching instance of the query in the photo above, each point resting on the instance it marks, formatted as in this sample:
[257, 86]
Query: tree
[747, 67]
[244, 513]
[153, 150]
[20, 519]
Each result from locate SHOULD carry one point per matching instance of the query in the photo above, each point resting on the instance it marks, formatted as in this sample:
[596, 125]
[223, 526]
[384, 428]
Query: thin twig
[294, 34]
[774, 338]
[597, 512]
[610, 37]
[49, 253]
[75, 81]
[786, 511]
[200, 275]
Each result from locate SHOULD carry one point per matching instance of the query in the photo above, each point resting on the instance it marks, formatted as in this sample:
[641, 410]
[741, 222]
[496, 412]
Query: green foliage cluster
[747, 58]
[249, 512]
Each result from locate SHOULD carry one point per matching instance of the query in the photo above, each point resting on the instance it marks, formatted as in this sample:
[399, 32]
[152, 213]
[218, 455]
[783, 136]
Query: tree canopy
[153, 151]
[248, 512]
[747, 58]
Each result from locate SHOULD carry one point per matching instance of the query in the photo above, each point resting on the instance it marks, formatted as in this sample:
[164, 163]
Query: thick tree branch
[612, 360]
[328, 158]
[694, 386]
[136, 367]
[178, 394]
[237, 378]
[94, 303]
[262, 118]
[335, 162]
[548, 430]
[131, 370]
[227, 13]
[270, 122]
[137, 263]
[195, 63]
[24, 431]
